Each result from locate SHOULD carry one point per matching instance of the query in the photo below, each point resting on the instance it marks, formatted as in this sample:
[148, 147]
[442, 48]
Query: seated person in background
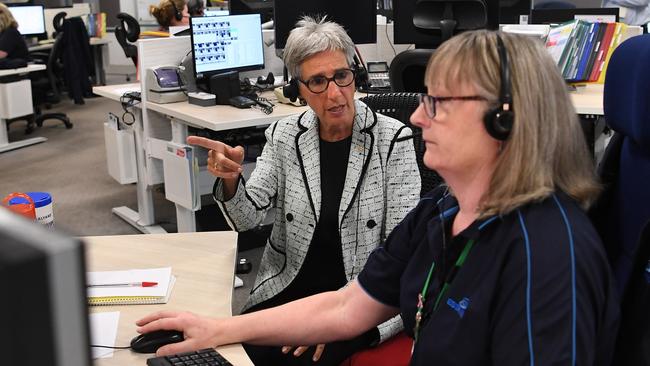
[502, 267]
[170, 13]
[195, 8]
[335, 175]
[632, 12]
[12, 44]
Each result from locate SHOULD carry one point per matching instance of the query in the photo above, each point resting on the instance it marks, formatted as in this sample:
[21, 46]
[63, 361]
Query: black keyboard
[204, 357]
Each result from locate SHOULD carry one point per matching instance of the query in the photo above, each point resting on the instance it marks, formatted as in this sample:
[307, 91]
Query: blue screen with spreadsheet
[226, 43]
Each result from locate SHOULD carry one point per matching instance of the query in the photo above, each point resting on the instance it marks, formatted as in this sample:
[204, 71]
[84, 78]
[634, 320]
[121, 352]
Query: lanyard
[422, 295]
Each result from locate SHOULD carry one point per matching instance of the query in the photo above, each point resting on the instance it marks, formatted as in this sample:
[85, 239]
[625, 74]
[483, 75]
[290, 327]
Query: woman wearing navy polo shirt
[502, 267]
[12, 44]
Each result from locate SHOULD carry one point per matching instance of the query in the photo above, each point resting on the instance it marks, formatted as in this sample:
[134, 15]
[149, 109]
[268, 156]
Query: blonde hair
[546, 149]
[6, 18]
[166, 10]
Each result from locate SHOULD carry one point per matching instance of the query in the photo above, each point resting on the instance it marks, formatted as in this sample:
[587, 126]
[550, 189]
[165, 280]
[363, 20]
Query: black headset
[292, 90]
[498, 121]
[178, 14]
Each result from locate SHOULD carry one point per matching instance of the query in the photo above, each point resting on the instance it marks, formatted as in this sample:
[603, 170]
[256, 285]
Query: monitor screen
[44, 309]
[226, 43]
[512, 11]
[262, 7]
[31, 19]
[419, 22]
[215, 12]
[358, 17]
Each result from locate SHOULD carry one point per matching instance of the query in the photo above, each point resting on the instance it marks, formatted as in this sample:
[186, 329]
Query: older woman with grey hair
[335, 176]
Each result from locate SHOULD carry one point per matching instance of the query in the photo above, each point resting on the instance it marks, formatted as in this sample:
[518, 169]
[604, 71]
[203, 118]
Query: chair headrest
[130, 25]
[626, 99]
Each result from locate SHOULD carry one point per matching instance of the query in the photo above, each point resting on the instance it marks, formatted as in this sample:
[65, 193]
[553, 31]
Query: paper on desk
[103, 331]
[160, 275]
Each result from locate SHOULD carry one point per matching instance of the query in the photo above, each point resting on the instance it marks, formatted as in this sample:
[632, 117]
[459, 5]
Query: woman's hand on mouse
[300, 350]
[199, 332]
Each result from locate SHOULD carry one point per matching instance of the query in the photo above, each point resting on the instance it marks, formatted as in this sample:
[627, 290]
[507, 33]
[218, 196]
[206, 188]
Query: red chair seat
[394, 352]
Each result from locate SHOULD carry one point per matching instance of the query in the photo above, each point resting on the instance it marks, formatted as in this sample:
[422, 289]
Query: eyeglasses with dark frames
[319, 84]
[430, 101]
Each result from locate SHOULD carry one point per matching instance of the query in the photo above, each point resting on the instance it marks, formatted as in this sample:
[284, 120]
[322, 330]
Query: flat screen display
[226, 43]
[31, 19]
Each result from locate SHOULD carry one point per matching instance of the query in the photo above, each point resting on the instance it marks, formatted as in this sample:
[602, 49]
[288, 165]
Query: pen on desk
[125, 284]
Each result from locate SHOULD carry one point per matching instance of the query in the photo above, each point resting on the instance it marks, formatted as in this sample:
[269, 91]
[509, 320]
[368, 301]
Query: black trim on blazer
[304, 129]
[366, 163]
[396, 139]
[275, 125]
[248, 197]
[284, 265]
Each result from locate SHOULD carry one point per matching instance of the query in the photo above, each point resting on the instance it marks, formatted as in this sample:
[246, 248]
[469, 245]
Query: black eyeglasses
[430, 101]
[319, 84]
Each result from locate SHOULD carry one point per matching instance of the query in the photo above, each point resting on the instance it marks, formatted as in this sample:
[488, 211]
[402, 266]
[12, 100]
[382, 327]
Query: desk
[5, 145]
[588, 100]
[203, 264]
[97, 49]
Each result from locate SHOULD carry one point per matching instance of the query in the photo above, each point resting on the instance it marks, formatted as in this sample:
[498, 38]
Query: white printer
[164, 85]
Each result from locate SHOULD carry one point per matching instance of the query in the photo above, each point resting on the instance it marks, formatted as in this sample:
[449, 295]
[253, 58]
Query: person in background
[196, 8]
[12, 43]
[335, 176]
[632, 12]
[501, 266]
[170, 13]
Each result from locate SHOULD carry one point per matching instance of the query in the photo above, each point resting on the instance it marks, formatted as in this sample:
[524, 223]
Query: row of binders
[582, 49]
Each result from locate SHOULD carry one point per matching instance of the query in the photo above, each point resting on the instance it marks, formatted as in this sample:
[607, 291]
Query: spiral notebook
[130, 295]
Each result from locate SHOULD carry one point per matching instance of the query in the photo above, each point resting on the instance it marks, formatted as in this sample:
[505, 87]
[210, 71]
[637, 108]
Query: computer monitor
[427, 23]
[556, 16]
[31, 19]
[358, 17]
[262, 7]
[215, 12]
[226, 43]
[43, 309]
[512, 11]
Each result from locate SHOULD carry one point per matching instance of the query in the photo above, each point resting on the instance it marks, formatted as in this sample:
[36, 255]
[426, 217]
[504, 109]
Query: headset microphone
[178, 15]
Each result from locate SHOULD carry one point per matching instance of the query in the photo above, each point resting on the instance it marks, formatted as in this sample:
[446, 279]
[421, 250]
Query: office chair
[46, 86]
[407, 69]
[623, 209]
[128, 31]
[400, 106]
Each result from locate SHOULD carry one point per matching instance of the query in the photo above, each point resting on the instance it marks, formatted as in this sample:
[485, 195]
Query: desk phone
[378, 75]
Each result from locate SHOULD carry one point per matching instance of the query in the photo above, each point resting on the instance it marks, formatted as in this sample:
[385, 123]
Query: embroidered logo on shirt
[460, 306]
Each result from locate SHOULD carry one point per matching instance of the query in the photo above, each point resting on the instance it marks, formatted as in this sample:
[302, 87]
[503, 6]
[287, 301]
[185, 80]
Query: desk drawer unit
[16, 99]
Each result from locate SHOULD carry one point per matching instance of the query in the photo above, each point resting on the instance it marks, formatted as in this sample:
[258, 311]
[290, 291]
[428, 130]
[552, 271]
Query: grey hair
[314, 35]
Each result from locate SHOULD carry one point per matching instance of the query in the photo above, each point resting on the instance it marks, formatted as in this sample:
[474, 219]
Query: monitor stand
[224, 86]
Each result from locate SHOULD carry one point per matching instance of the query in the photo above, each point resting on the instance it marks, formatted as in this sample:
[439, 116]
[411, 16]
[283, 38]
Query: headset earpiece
[498, 121]
[291, 91]
[177, 13]
[360, 74]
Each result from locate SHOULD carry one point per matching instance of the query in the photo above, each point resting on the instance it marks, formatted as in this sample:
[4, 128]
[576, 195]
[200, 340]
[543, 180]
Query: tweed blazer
[382, 185]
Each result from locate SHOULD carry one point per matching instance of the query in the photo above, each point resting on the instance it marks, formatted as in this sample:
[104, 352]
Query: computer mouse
[150, 342]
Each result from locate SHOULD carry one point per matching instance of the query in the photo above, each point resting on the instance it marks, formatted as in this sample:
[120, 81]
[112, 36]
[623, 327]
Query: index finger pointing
[205, 142]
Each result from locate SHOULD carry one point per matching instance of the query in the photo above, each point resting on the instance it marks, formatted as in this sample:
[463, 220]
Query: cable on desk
[129, 100]
[113, 347]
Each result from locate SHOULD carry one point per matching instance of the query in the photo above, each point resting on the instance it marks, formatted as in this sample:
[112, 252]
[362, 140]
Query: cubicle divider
[164, 142]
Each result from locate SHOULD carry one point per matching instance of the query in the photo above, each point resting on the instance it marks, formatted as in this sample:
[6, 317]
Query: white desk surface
[23, 70]
[114, 92]
[203, 264]
[588, 99]
[224, 117]
[94, 41]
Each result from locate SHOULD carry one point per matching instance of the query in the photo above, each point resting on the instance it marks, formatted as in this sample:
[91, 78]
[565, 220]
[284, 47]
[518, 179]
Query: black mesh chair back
[407, 69]
[128, 31]
[400, 106]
